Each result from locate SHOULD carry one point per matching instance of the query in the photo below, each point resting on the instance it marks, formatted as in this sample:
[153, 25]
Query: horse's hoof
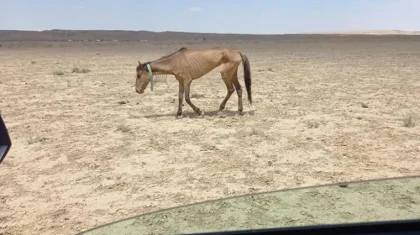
[201, 114]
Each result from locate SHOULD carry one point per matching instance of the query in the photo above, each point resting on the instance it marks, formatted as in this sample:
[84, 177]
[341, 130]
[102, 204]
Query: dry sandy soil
[88, 150]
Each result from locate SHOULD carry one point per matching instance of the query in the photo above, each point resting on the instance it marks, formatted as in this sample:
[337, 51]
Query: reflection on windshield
[368, 201]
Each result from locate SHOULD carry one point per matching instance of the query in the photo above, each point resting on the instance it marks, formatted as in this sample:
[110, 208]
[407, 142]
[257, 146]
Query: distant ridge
[111, 35]
[125, 35]
[371, 32]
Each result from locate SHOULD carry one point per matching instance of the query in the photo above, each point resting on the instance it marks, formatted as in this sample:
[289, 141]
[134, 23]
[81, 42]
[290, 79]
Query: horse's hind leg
[238, 91]
[230, 90]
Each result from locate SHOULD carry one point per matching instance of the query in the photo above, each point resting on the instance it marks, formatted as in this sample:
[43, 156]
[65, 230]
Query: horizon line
[368, 31]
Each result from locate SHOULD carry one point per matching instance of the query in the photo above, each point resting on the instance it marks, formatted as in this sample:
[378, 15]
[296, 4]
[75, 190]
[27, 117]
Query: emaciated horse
[190, 64]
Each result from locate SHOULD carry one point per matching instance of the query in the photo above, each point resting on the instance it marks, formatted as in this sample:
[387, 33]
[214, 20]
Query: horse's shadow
[189, 114]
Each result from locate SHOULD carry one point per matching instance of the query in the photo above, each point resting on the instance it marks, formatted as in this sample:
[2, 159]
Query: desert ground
[88, 150]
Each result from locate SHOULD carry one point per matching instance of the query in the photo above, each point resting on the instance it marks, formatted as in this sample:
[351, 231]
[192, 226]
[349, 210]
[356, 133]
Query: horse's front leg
[180, 98]
[187, 98]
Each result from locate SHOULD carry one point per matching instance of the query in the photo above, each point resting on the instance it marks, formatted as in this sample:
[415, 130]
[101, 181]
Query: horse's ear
[139, 67]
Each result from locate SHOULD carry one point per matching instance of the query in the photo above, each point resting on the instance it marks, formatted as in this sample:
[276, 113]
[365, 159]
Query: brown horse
[190, 64]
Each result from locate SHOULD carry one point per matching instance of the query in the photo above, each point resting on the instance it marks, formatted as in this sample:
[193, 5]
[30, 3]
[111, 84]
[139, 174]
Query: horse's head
[142, 78]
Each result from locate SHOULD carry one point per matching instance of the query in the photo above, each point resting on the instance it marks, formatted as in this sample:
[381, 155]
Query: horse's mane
[167, 56]
[162, 58]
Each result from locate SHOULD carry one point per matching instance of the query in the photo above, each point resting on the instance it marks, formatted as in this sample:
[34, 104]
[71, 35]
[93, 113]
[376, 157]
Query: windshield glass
[366, 201]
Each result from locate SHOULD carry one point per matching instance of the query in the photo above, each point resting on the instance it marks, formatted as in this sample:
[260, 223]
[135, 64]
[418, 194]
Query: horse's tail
[247, 76]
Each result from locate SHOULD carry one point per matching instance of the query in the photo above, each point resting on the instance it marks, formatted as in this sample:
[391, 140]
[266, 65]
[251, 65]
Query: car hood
[389, 199]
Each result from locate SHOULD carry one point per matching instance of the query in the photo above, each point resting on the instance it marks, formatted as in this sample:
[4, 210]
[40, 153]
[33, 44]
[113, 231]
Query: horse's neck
[165, 66]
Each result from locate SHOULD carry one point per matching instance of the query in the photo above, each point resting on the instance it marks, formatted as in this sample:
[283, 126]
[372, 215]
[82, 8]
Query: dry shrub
[58, 73]
[80, 70]
[408, 121]
[123, 128]
[37, 139]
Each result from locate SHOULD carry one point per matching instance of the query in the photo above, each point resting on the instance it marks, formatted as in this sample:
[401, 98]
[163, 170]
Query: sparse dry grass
[36, 139]
[312, 124]
[80, 70]
[123, 128]
[59, 72]
[408, 120]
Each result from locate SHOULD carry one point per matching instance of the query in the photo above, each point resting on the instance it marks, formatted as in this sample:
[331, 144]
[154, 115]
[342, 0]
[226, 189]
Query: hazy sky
[219, 16]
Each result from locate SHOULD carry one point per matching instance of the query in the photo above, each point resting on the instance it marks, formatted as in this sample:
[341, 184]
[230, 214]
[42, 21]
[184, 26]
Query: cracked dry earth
[88, 150]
